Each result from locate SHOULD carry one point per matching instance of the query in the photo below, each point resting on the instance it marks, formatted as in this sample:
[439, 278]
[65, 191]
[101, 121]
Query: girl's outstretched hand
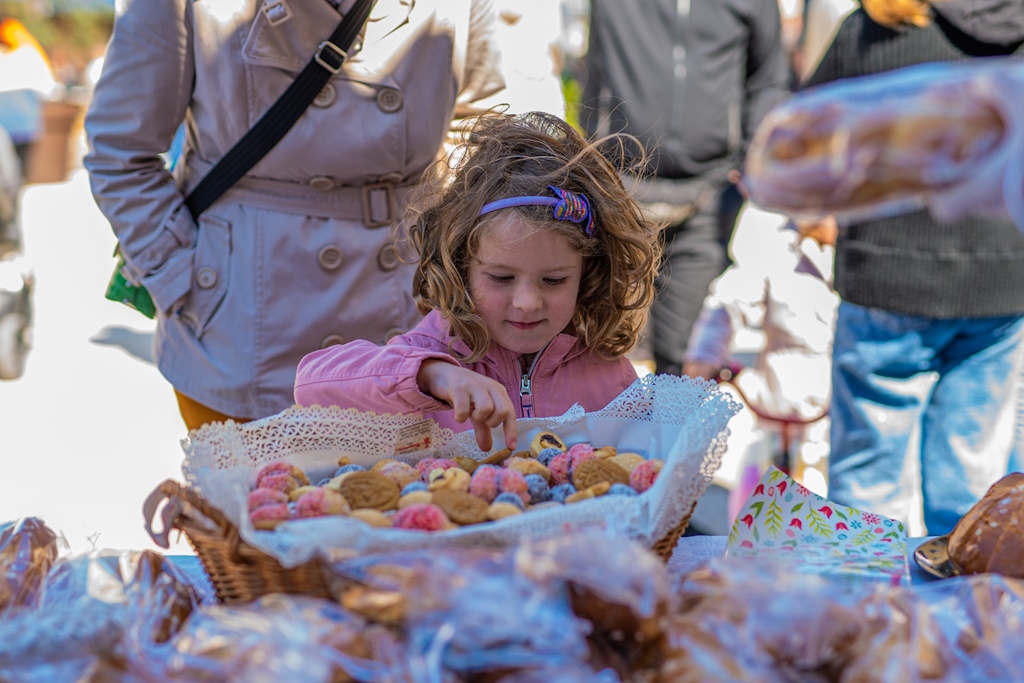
[474, 397]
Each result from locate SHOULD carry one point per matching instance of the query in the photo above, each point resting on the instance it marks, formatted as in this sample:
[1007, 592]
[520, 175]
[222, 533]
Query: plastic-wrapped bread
[943, 135]
[990, 537]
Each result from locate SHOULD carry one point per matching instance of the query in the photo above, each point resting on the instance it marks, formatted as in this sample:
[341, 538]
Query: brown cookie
[528, 466]
[590, 472]
[370, 490]
[546, 440]
[605, 452]
[461, 507]
[523, 454]
[468, 464]
[374, 518]
[454, 478]
[497, 457]
[590, 492]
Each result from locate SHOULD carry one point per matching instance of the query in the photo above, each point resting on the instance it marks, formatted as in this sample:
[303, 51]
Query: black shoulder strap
[282, 115]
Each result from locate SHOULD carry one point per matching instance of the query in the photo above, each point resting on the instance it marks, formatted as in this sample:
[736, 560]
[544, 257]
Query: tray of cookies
[313, 485]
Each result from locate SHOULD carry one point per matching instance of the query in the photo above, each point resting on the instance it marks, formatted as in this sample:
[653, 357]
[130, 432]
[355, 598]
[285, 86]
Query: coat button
[322, 183]
[392, 333]
[387, 258]
[331, 340]
[389, 100]
[330, 257]
[206, 278]
[326, 96]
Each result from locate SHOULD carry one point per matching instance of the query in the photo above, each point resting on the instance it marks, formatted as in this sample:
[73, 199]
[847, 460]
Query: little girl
[536, 272]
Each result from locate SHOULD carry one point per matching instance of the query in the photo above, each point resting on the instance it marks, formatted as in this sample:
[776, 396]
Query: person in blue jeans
[925, 296]
[896, 447]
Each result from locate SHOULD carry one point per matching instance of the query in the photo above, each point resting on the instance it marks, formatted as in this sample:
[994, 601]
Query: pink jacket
[363, 375]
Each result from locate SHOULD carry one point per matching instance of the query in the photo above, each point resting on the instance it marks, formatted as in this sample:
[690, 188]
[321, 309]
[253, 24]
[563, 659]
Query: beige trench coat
[298, 254]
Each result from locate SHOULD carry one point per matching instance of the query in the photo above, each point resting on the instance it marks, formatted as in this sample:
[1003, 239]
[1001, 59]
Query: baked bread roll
[884, 144]
[990, 537]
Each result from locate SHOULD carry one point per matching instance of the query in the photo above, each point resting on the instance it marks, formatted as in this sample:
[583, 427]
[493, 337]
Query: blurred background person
[26, 81]
[922, 296]
[821, 20]
[691, 81]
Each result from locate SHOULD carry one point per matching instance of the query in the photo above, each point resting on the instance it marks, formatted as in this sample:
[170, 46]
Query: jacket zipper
[526, 386]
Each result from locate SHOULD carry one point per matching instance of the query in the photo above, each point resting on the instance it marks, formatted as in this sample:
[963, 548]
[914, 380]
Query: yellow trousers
[195, 414]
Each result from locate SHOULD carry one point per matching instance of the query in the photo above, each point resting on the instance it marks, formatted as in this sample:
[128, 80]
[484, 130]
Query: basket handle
[181, 500]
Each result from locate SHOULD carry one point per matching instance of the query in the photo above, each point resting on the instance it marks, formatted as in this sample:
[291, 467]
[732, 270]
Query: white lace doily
[678, 419]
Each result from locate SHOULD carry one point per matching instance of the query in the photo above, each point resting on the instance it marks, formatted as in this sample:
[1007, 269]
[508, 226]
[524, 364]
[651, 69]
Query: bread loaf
[990, 537]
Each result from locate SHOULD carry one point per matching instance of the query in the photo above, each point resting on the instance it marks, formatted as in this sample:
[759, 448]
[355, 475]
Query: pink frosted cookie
[579, 449]
[269, 516]
[279, 468]
[511, 481]
[260, 497]
[578, 453]
[421, 516]
[438, 464]
[320, 502]
[424, 466]
[485, 482]
[285, 483]
[644, 475]
[400, 473]
[560, 469]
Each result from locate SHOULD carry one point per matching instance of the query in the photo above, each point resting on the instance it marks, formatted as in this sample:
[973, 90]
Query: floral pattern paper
[783, 517]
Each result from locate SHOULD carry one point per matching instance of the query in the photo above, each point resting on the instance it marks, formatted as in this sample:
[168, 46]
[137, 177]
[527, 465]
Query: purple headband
[569, 206]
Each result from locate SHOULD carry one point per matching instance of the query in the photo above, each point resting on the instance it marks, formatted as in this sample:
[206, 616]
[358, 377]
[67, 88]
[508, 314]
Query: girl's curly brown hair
[501, 156]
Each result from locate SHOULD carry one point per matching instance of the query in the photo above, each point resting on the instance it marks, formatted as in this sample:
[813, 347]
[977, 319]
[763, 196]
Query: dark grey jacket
[690, 79]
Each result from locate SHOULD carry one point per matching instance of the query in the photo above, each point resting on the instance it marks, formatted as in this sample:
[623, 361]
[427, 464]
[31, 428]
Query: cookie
[381, 463]
[528, 466]
[589, 492]
[319, 502]
[590, 472]
[645, 474]
[461, 507]
[399, 472]
[546, 440]
[454, 478]
[605, 452]
[415, 498]
[279, 468]
[627, 461]
[374, 518]
[420, 517]
[497, 457]
[370, 490]
[266, 517]
[468, 464]
[261, 497]
[498, 511]
[295, 494]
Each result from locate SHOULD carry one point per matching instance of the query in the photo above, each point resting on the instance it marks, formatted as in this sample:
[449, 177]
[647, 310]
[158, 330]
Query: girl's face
[524, 281]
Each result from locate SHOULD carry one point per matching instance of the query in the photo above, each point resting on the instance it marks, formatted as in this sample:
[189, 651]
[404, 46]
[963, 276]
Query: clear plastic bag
[943, 135]
[28, 548]
[276, 638]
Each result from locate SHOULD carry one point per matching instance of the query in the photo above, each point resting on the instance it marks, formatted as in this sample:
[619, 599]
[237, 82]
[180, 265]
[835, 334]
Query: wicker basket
[241, 573]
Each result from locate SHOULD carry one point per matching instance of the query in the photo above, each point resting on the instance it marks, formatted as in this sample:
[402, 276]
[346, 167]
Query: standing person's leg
[969, 428]
[876, 412]
[693, 257]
